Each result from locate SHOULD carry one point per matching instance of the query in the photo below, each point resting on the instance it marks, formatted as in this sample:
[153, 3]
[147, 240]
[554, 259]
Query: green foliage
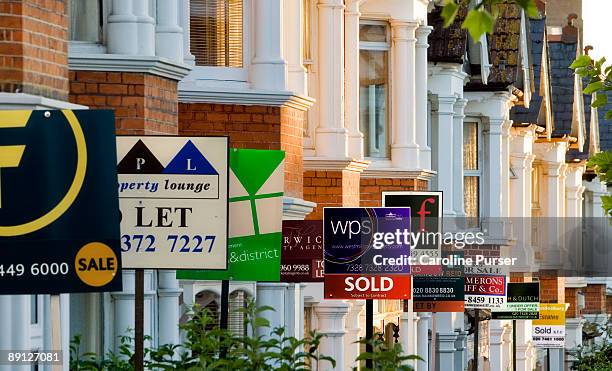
[385, 357]
[597, 357]
[602, 165]
[209, 348]
[481, 18]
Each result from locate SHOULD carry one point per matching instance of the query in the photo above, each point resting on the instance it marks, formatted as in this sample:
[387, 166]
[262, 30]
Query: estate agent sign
[255, 218]
[173, 200]
[366, 252]
[59, 212]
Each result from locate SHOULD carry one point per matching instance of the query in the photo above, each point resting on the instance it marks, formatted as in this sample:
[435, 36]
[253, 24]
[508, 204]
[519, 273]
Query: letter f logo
[10, 156]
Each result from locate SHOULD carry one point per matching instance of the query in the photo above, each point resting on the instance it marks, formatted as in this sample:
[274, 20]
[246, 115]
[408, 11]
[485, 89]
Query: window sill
[194, 94]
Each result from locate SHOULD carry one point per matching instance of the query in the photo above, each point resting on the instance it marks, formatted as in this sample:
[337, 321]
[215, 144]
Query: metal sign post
[56, 328]
[139, 320]
[369, 330]
[476, 340]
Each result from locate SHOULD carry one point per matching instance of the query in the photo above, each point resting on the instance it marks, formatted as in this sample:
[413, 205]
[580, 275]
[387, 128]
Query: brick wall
[331, 188]
[371, 189]
[257, 127]
[595, 299]
[144, 104]
[571, 298]
[609, 304]
[551, 287]
[34, 48]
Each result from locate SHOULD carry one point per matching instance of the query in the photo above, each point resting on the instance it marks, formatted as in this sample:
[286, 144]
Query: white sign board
[173, 200]
[549, 330]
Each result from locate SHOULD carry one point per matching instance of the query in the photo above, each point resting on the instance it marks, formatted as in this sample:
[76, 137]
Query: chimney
[569, 33]
[541, 4]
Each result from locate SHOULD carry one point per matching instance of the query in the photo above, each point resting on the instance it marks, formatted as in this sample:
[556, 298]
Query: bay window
[374, 48]
[86, 21]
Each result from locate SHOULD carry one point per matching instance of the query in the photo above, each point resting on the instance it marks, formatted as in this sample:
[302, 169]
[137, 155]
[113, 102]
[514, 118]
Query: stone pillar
[351, 90]
[457, 162]
[493, 165]
[353, 329]
[524, 360]
[331, 320]
[273, 295]
[184, 21]
[496, 342]
[423, 325]
[296, 72]
[122, 29]
[168, 33]
[123, 307]
[168, 293]
[268, 67]
[573, 330]
[445, 129]
[420, 107]
[556, 359]
[446, 338]
[145, 27]
[331, 134]
[404, 147]
[505, 169]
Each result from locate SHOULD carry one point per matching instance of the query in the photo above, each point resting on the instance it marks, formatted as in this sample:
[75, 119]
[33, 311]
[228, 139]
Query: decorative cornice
[247, 97]
[296, 208]
[321, 164]
[393, 173]
[28, 101]
[129, 63]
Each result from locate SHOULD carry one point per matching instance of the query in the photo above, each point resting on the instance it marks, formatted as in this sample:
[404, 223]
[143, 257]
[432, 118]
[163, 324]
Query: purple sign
[302, 255]
[366, 240]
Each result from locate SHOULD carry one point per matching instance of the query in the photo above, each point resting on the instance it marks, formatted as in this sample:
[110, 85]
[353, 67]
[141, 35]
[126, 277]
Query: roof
[447, 44]
[562, 83]
[605, 126]
[520, 114]
[504, 49]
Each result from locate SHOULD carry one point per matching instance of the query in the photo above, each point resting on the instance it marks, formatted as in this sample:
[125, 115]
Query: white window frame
[480, 162]
[230, 75]
[88, 47]
[312, 115]
[380, 46]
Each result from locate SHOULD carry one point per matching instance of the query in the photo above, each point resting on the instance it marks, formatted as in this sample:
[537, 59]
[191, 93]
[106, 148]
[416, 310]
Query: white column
[493, 165]
[122, 29]
[573, 337]
[64, 323]
[145, 28]
[351, 90]
[268, 67]
[523, 345]
[123, 309]
[446, 337]
[420, 106]
[404, 147]
[184, 22]
[457, 161]
[505, 169]
[496, 332]
[556, 359]
[507, 346]
[168, 293]
[331, 319]
[273, 295]
[294, 21]
[6, 320]
[444, 124]
[331, 134]
[351, 345]
[423, 325]
[460, 343]
[168, 33]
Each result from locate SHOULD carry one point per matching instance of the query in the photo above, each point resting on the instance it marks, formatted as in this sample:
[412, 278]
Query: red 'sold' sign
[344, 286]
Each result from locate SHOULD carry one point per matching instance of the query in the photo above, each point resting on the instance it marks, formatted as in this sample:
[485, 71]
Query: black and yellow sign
[59, 211]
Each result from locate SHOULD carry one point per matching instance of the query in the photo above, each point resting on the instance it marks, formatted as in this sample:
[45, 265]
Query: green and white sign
[255, 218]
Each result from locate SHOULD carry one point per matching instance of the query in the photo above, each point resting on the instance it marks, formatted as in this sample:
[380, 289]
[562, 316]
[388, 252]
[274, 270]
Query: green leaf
[582, 61]
[593, 87]
[600, 100]
[609, 115]
[449, 12]
[478, 22]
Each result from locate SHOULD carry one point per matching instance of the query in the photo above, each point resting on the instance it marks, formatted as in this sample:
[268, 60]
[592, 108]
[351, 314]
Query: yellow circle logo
[22, 118]
[96, 264]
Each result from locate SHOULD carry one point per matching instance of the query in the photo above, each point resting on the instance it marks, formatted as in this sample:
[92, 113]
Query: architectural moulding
[246, 97]
[153, 65]
[422, 174]
[296, 208]
[317, 163]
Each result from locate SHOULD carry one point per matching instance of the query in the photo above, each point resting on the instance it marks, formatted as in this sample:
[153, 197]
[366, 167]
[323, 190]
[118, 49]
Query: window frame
[386, 47]
[90, 47]
[228, 75]
[479, 172]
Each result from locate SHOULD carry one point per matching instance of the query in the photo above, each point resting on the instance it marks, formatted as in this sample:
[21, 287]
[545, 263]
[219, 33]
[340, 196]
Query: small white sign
[548, 336]
[173, 200]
